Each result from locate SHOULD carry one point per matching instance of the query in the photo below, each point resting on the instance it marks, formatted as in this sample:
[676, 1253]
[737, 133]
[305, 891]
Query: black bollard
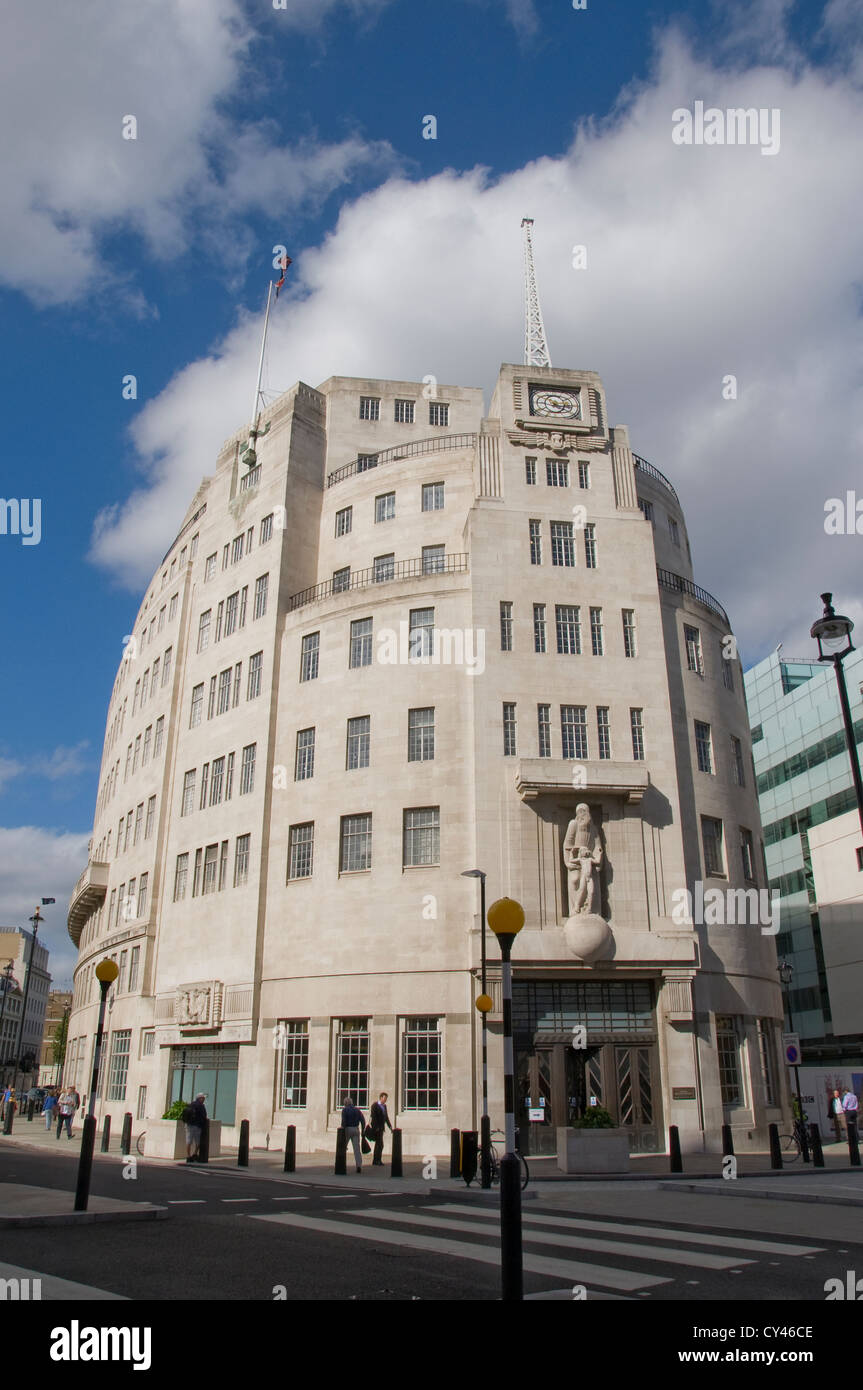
[7, 1119]
[31, 1106]
[243, 1149]
[675, 1161]
[510, 1229]
[454, 1153]
[775, 1151]
[469, 1151]
[126, 1136]
[291, 1149]
[815, 1143]
[727, 1141]
[85, 1162]
[204, 1145]
[853, 1150]
[341, 1167]
[396, 1160]
[106, 1134]
[485, 1151]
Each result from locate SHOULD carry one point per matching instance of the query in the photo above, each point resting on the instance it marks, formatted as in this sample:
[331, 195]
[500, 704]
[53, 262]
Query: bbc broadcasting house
[405, 640]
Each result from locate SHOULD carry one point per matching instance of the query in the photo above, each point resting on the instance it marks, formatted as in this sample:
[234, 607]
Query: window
[543, 720]
[506, 627]
[703, 747]
[142, 1092]
[434, 559]
[355, 843]
[128, 833]
[421, 1064]
[232, 608]
[130, 902]
[148, 738]
[217, 781]
[603, 731]
[238, 680]
[384, 568]
[344, 520]
[247, 769]
[728, 1050]
[646, 509]
[557, 472]
[630, 646]
[261, 586]
[136, 696]
[155, 679]
[421, 634]
[385, 506]
[737, 772]
[224, 701]
[193, 547]
[370, 408]
[433, 497]
[352, 1061]
[636, 726]
[535, 532]
[539, 633]
[309, 658]
[211, 860]
[304, 759]
[139, 821]
[568, 627]
[859, 853]
[237, 549]
[726, 668]
[438, 414]
[596, 641]
[253, 688]
[674, 531]
[205, 775]
[301, 841]
[295, 1064]
[583, 474]
[161, 618]
[197, 708]
[134, 964]
[196, 875]
[241, 860]
[159, 735]
[166, 669]
[694, 659]
[143, 891]
[711, 838]
[266, 529]
[590, 546]
[172, 607]
[747, 854]
[421, 836]
[119, 1068]
[573, 731]
[209, 567]
[341, 579]
[229, 777]
[509, 731]
[403, 412]
[421, 735]
[530, 472]
[562, 547]
[137, 756]
[188, 804]
[220, 613]
[358, 740]
[211, 699]
[151, 816]
[361, 643]
[366, 461]
[765, 1057]
[145, 682]
[128, 763]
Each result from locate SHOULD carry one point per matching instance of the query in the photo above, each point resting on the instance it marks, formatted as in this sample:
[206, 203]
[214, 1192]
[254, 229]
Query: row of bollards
[341, 1161]
[810, 1145]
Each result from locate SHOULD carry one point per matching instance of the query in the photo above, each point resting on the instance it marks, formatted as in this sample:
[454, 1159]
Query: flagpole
[255, 408]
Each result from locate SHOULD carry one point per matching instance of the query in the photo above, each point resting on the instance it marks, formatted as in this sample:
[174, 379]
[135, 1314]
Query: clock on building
[556, 405]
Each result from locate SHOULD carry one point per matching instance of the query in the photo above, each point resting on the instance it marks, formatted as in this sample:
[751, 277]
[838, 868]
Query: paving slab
[24, 1205]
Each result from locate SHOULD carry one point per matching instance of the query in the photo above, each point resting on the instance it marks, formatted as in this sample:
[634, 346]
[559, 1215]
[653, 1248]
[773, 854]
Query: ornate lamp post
[832, 632]
[506, 919]
[106, 973]
[483, 1004]
[786, 975]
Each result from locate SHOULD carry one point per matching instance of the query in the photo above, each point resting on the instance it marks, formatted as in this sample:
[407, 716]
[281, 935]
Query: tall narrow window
[301, 841]
[765, 1054]
[637, 729]
[295, 1063]
[674, 531]
[158, 735]
[223, 864]
[151, 817]
[535, 533]
[304, 762]
[703, 747]
[603, 731]
[573, 731]
[596, 640]
[217, 781]
[630, 645]
[261, 586]
[590, 546]
[232, 609]
[421, 836]
[224, 701]
[583, 474]
[358, 741]
[509, 731]
[506, 627]
[211, 860]
[711, 838]
[139, 821]
[204, 630]
[266, 529]
[355, 844]
[253, 689]
[134, 965]
[726, 668]
[361, 643]
[694, 658]
[539, 629]
[197, 708]
[421, 735]
[247, 769]
[143, 890]
[211, 698]
[188, 804]
[229, 777]
[543, 720]
[530, 472]
[309, 658]
[352, 1061]
[241, 859]
[737, 771]
[196, 874]
[205, 778]
[728, 1051]
[421, 1064]
[220, 615]
[747, 854]
[421, 634]
[344, 520]
[568, 628]
[166, 668]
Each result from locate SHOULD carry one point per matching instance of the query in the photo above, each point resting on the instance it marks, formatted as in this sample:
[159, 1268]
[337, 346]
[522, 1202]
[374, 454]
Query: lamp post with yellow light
[506, 919]
[483, 1005]
[106, 973]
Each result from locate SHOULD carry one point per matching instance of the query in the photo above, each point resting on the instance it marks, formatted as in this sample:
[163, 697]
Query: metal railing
[677, 584]
[385, 574]
[409, 450]
[644, 467]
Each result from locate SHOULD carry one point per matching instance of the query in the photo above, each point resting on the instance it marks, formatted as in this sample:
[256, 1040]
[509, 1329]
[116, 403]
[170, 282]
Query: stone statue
[582, 855]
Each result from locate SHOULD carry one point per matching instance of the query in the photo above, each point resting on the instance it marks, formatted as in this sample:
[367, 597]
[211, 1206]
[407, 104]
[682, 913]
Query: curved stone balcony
[678, 585]
[87, 894]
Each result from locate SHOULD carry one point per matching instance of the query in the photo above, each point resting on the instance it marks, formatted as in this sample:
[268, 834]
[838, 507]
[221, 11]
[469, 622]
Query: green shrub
[594, 1117]
[176, 1110]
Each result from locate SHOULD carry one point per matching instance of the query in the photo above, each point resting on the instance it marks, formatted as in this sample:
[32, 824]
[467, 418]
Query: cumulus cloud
[58, 765]
[37, 863]
[703, 262]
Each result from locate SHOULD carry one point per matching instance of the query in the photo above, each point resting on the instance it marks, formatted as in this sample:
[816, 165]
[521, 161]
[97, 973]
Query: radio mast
[535, 345]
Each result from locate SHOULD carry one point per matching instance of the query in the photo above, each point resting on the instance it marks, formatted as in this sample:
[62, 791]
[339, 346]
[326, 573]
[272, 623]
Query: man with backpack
[194, 1118]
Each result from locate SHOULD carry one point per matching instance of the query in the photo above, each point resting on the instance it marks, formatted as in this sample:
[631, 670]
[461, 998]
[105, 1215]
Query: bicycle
[790, 1148]
[495, 1162]
[139, 1142]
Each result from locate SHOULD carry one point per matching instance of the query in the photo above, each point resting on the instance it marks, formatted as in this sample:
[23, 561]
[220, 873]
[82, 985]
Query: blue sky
[303, 126]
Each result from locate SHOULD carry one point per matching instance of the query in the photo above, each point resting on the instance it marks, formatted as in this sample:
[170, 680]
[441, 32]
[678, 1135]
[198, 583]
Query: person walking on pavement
[195, 1127]
[49, 1106]
[67, 1107]
[837, 1115]
[379, 1122]
[849, 1105]
[353, 1123]
[8, 1099]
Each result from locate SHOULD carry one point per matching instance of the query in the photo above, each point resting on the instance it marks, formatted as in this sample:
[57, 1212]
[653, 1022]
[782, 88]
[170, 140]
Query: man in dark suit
[379, 1122]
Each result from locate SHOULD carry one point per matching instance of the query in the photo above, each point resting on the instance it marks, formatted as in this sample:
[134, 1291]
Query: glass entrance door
[634, 1096]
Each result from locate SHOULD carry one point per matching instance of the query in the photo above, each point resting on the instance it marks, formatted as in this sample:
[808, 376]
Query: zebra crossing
[557, 1246]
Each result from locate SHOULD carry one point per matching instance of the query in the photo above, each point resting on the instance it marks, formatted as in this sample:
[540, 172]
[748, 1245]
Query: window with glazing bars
[583, 474]
[703, 747]
[711, 838]
[232, 608]
[295, 1063]
[304, 762]
[603, 731]
[728, 1050]
[543, 719]
[181, 873]
[530, 472]
[590, 546]
[421, 634]
[421, 1064]
[421, 836]
[434, 559]
[694, 658]
[370, 408]
[557, 472]
[573, 731]
[151, 816]
[301, 842]
[241, 859]
[341, 579]
[596, 641]
[355, 843]
[217, 781]
[309, 658]
[361, 643]
[188, 802]
[253, 688]
[358, 740]
[403, 412]
[261, 586]
[344, 520]
[765, 1056]
[205, 775]
[366, 461]
[385, 506]
[266, 529]
[726, 668]
[506, 626]
[223, 703]
[509, 731]
[438, 414]
[535, 533]
[421, 735]
[352, 1062]
[223, 864]
[568, 628]
[119, 1069]
[636, 726]
[247, 769]
[562, 544]
[211, 859]
[197, 708]
[630, 647]
[539, 630]
[433, 497]
[737, 770]
[384, 568]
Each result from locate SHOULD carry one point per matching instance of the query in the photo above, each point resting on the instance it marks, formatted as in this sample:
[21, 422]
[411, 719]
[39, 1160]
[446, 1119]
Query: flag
[284, 262]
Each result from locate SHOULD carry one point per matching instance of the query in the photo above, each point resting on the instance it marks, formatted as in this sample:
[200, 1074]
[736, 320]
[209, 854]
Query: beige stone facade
[469, 625]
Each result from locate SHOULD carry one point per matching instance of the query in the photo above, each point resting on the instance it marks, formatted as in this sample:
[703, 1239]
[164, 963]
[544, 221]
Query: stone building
[28, 956]
[402, 639]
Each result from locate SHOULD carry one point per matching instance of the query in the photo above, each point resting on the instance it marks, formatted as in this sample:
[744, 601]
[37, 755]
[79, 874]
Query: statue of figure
[582, 855]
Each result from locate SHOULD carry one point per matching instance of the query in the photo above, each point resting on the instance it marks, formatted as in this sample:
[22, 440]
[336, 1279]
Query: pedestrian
[849, 1105]
[837, 1115]
[49, 1106]
[353, 1123]
[66, 1110]
[197, 1113]
[9, 1100]
[379, 1122]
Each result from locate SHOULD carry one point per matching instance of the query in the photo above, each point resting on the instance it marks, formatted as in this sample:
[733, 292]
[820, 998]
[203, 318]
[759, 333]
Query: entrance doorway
[564, 1082]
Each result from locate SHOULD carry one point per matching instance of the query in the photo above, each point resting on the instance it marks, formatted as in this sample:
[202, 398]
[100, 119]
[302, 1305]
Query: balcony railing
[86, 896]
[677, 584]
[647, 468]
[382, 574]
[250, 479]
[408, 450]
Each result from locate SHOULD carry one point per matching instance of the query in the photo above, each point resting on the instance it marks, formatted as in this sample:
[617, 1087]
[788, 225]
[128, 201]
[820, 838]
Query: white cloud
[64, 762]
[9, 769]
[37, 863]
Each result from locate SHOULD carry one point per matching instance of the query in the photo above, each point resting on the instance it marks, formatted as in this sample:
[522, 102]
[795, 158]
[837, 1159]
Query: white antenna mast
[535, 345]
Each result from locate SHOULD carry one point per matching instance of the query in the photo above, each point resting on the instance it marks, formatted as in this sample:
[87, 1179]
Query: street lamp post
[786, 975]
[483, 1005]
[106, 973]
[832, 632]
[506, 919]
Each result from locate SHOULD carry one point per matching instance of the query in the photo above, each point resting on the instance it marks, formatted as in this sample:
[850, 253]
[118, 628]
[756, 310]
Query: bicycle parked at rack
[495, 1161]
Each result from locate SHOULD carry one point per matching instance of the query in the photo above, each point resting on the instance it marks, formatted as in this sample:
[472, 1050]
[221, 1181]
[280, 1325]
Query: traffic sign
[791, 1049]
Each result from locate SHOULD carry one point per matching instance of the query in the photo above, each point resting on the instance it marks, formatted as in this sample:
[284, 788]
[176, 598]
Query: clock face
[557, 405]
